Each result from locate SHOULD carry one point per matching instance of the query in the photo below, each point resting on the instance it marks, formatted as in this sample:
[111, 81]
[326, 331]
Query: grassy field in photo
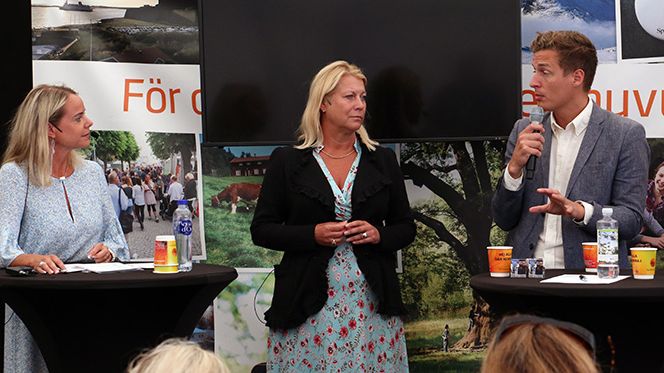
[425, 342]
[227, 236]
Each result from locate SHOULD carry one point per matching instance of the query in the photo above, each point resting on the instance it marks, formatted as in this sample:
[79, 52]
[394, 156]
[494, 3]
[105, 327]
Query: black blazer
[296, 197]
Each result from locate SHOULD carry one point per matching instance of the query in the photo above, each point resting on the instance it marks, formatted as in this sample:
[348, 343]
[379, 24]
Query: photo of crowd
[152, 176]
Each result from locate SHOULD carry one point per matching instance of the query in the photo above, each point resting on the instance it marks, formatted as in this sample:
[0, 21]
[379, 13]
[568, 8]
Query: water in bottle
[607, 245]
[182, 229]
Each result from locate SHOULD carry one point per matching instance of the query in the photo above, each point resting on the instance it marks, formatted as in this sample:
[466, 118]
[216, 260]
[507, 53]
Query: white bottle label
[607, 246]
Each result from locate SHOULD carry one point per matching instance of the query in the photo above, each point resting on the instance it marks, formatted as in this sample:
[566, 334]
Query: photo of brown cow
[232, 181]
[238, 192]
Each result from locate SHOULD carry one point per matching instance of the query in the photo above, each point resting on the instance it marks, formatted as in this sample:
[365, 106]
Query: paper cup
[500, 258]
[165, 255]
[644, 260]
[590, 256]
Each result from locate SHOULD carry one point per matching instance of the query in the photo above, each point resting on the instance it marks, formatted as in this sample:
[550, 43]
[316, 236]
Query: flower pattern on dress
[347, 334]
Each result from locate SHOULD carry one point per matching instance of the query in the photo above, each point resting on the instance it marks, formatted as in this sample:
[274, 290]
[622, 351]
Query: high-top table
[627, 310]
[87, 322]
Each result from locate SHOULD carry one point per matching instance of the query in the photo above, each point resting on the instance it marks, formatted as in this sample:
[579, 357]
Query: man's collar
[579, 123]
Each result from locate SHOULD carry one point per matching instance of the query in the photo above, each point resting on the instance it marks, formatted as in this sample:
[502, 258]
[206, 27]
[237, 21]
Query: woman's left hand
[100, 253]
[360, 232]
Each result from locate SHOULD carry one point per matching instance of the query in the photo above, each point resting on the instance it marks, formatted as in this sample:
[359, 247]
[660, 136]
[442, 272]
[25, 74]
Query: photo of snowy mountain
[595, 19]
[635, 45]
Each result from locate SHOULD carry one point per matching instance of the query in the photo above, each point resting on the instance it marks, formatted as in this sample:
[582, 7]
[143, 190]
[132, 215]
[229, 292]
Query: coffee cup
[644, 260]
[165, 254]
[500, 258]
[590, 256]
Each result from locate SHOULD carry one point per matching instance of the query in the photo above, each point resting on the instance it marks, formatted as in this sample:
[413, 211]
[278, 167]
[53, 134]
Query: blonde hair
[177, 356]
[537, 347]
[326, 80]
[28, 135]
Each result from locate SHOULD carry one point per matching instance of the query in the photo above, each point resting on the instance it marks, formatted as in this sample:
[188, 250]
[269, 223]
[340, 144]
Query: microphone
[536, 116]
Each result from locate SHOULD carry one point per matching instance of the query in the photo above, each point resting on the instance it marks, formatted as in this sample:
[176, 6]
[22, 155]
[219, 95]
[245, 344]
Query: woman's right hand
[330, 234]
[50, 263]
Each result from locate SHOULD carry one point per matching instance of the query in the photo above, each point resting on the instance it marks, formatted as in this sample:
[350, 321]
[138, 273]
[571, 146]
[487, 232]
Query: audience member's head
[530, 344]
[189, 176]
[127, 181]
[113, 178]
[177, 356]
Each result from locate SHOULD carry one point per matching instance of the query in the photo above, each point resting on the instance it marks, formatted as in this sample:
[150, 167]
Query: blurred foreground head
[177, 356]
[531, 344]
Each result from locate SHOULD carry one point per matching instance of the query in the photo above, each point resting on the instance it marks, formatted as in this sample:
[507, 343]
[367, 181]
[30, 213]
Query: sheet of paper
[71, 268]
[586, 280]
[102, 267]
[140, 265]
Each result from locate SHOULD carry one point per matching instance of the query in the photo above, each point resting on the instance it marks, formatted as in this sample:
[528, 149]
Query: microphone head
[537, 114]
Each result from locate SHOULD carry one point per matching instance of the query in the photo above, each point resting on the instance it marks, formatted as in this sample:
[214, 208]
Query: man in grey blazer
[588, 158]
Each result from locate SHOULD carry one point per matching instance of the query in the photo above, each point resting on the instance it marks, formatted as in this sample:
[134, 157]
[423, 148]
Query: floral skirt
[347, 334]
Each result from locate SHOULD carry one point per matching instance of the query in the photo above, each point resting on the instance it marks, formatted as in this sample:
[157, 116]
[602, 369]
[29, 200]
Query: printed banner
[155, 106]
[121, 96]
[635, 91]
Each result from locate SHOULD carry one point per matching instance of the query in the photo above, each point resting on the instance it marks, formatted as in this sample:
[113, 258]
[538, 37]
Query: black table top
[628, 289]
[138, 308]
[200, 274]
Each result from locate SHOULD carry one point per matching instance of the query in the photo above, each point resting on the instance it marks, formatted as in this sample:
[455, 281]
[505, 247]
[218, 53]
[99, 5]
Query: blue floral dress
[347, 334]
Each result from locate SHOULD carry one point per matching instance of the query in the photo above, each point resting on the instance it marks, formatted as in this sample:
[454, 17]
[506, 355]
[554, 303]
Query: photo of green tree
[450, 186]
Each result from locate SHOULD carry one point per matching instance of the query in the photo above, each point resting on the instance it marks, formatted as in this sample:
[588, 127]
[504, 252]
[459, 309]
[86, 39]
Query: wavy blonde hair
[28, 134]
[309, 133]
[177, 356]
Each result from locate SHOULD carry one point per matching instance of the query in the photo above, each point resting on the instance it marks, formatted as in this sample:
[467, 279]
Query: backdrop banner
[635, 91]
[157, 106]
[121, 96]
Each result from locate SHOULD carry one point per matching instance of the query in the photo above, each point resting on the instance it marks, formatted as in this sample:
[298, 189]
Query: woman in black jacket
[336, 205]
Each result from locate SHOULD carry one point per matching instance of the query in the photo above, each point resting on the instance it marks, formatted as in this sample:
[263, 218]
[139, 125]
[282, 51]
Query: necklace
[64, 174]
[338, 156]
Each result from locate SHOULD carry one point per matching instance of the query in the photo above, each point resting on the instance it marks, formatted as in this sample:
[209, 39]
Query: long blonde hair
[309, 132]
[28, 134]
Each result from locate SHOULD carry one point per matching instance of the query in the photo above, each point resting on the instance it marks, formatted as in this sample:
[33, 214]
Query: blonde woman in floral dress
[336, 206]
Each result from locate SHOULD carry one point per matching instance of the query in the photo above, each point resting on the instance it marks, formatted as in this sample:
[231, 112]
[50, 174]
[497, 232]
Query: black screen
[17, 56]
[436, 69]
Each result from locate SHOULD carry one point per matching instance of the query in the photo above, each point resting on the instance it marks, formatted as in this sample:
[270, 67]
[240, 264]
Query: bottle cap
[182, 202]
[607, 211]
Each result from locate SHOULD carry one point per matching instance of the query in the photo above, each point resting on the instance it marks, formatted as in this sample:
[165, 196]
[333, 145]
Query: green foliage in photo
[227, 236]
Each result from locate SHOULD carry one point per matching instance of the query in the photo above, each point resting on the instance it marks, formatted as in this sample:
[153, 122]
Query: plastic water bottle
[182, 229]
[607, 245]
